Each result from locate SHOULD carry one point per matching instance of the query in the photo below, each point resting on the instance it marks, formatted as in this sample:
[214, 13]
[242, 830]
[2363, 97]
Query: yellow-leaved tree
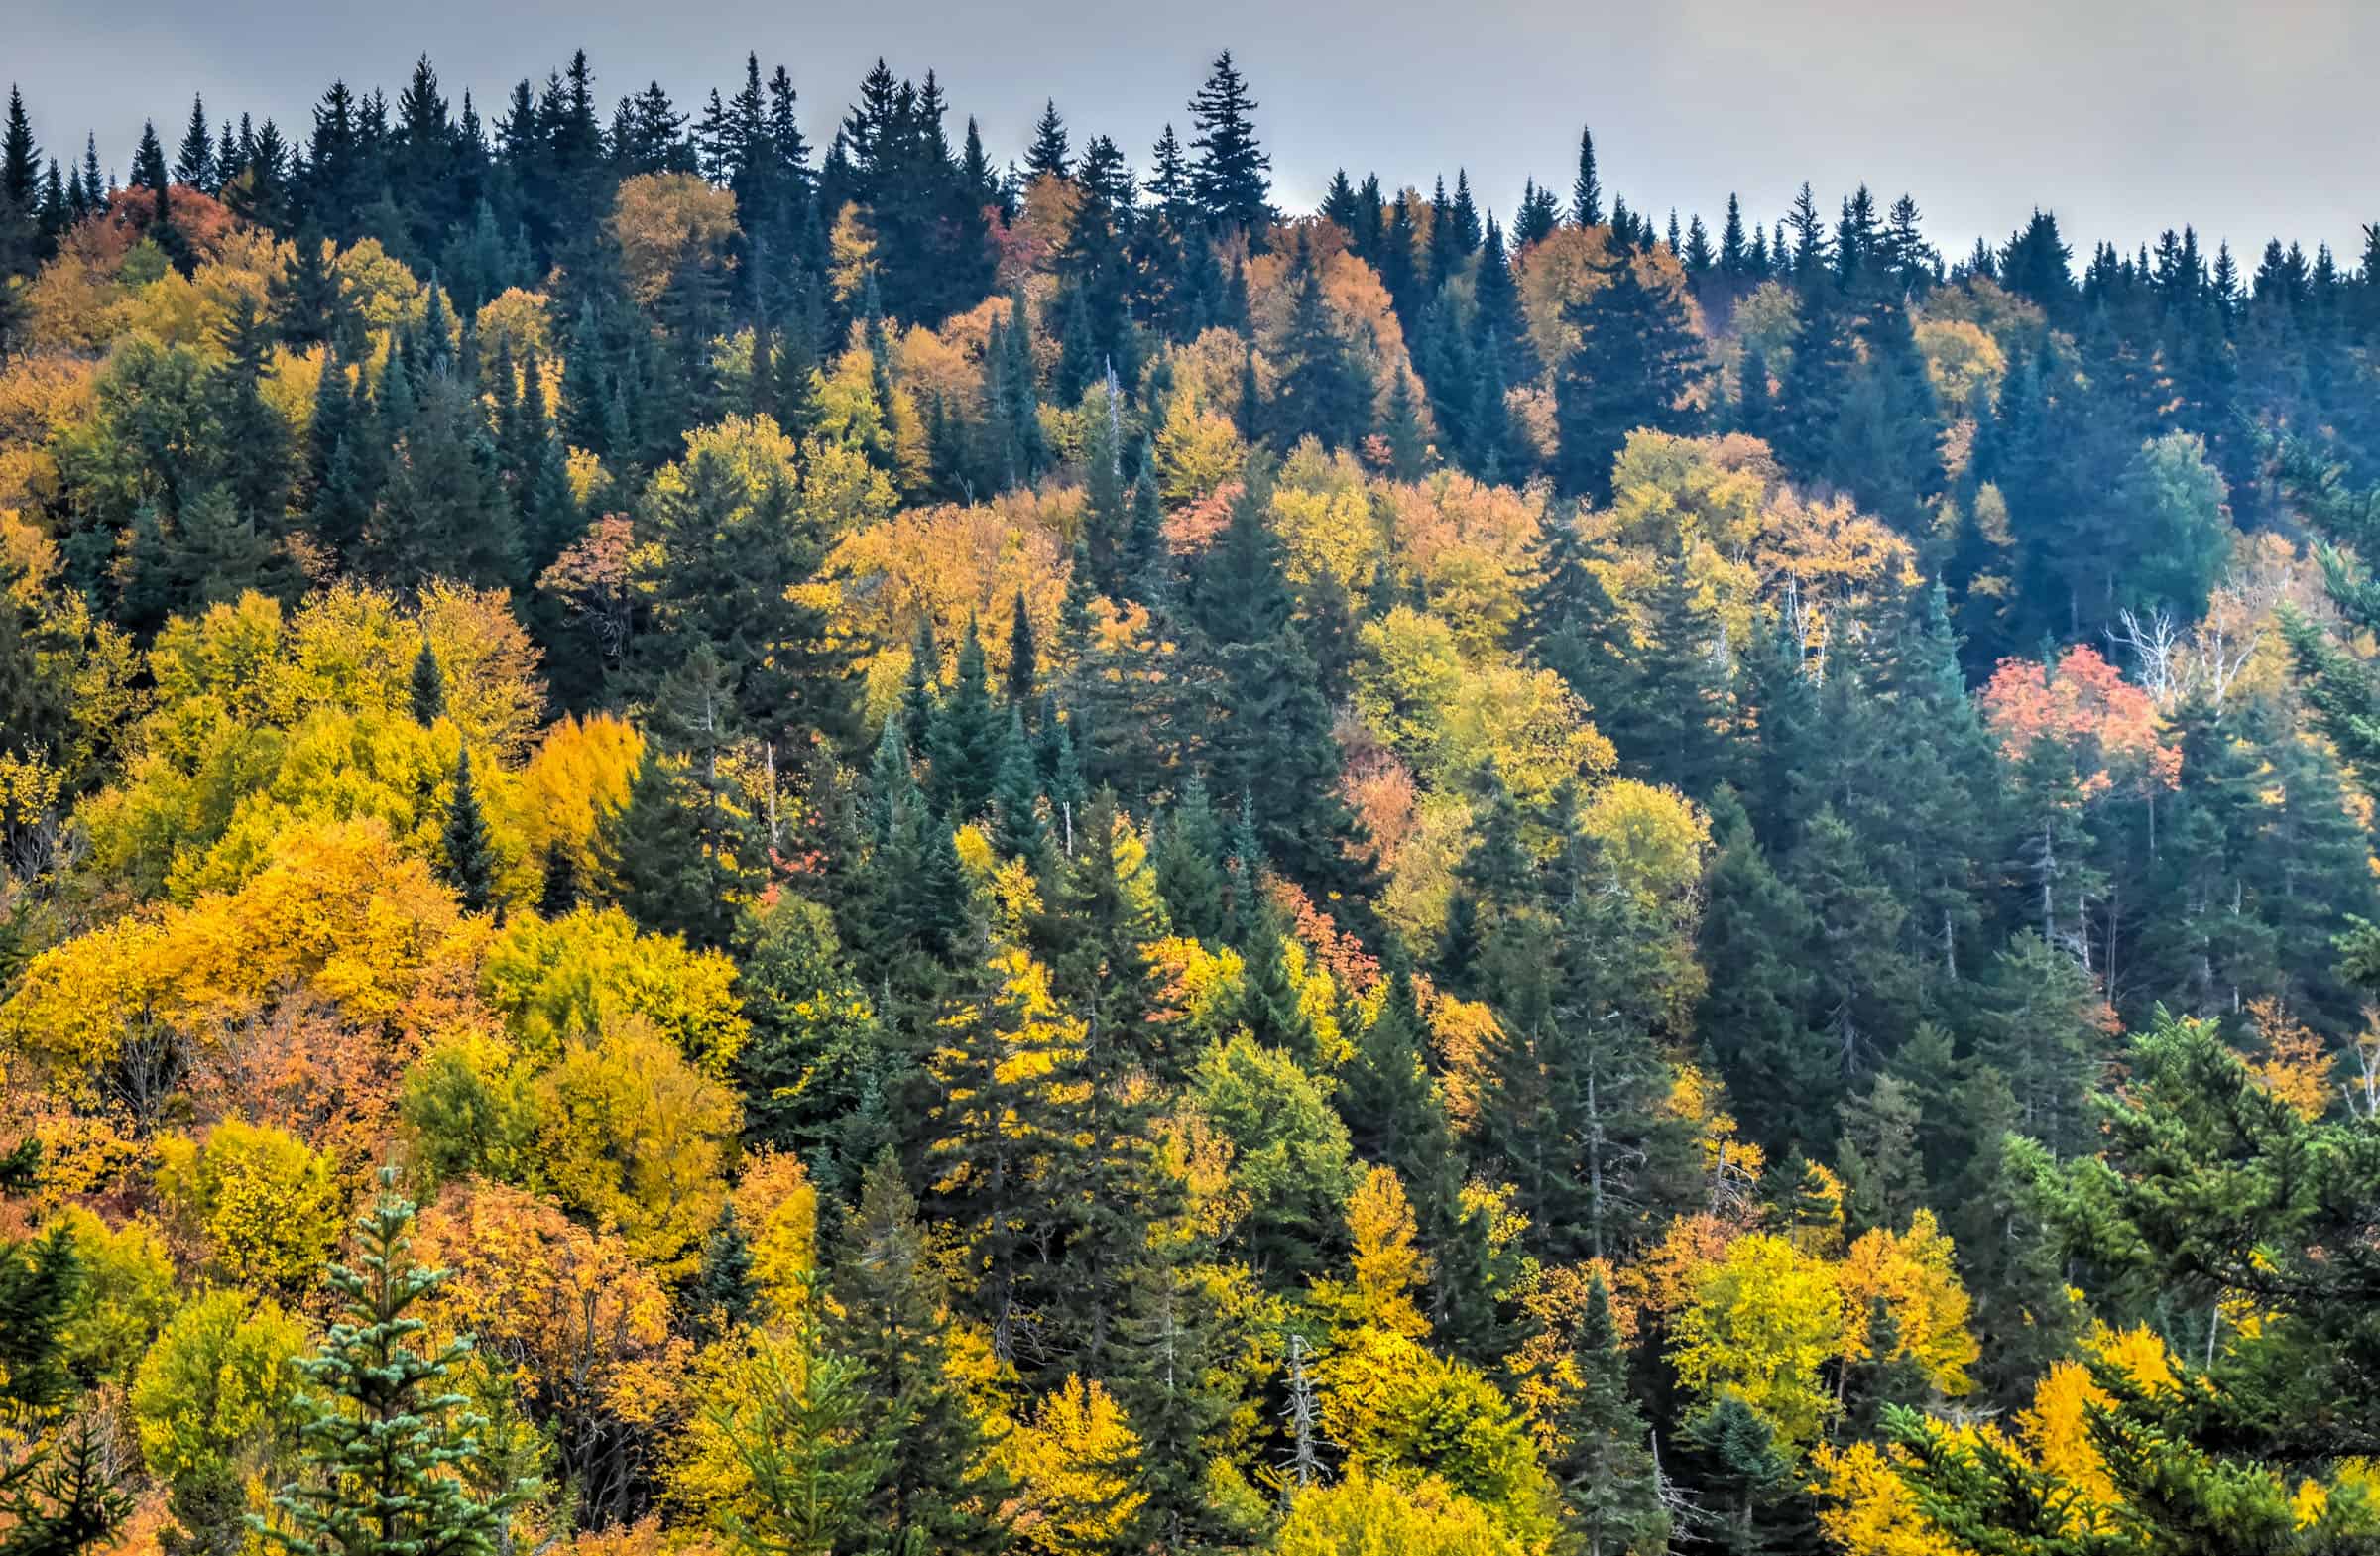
[1073, 1459]
[1764, 1322]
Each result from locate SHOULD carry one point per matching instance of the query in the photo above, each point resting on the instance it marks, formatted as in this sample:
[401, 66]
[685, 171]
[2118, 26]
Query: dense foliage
[720, 836]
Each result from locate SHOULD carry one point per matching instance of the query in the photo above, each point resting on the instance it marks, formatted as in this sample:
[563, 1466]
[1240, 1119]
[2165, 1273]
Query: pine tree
[386, 1444]
[308, 300]
[724, 1297]
[1669, 697]
[1394, 1113]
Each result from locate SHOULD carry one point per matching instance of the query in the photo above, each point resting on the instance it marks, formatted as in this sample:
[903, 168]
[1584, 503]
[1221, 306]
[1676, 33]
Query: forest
[723, 833]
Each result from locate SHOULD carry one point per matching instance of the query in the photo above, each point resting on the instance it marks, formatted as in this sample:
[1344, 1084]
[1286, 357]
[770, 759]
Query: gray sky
[2123, 116]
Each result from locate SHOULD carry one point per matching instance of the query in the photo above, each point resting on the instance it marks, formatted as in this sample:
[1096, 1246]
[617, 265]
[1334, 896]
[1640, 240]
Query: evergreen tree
[1189, 863]
[1229, 179]
[60, 1491]
[1634, 358]
[934, 1489]
[443, 512]
[1048, 157]
[1749, 1502]
[1273, 741]
[195, 162]
[683, 853]
[1610, 1485]
[1668, 697]
[1587, 189]
[965, 735]
[470, 864]
[1323, 391]
[388, 1445]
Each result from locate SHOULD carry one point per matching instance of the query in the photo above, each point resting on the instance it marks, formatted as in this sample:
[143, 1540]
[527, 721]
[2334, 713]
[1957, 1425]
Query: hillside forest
[725, 834]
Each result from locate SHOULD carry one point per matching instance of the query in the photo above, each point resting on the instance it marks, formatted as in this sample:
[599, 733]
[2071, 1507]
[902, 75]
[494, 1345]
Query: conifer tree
[195, 162]
[443, 512]
[470, 857]
[934, 1489]
[1047, 156]
[20, 157]
[1323, 391]
[798, 1425]
[1610, 1485]
[59, 1492]
[1587, 191]
[1178, 1389]
[683, 853]
[1275, 741]
[1189, 863]
[1018, 831]
[1669, 697]
[388, 1445]
[966, 737]
[1229, 179]
[1748, 1482]
[1634, 358]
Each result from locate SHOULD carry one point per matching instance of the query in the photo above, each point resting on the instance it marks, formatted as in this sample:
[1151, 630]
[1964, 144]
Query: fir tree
[1323, 391]
[1048, 157]
[683, 853]
[195, 162]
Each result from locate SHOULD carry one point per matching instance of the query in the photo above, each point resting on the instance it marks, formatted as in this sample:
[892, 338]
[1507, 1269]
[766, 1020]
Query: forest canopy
[724, 833]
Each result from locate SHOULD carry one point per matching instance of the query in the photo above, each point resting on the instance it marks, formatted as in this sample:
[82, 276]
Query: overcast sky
[2123, 116]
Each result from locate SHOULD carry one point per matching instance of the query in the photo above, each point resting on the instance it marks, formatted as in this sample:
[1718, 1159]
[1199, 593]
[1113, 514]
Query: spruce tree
[1275, 741]
[965, 735]
[387, 1446]
[1634, 359]
[59, 1493]
[1603, 1466]
[1178, 1389]
[1189, 861]
[470, 860]
[1229, 173]
[1748, 1482]
[683, 855]
[428, 685]
[935, 1490]
[1587, 189]
[1323, 391]
[1048, 157]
